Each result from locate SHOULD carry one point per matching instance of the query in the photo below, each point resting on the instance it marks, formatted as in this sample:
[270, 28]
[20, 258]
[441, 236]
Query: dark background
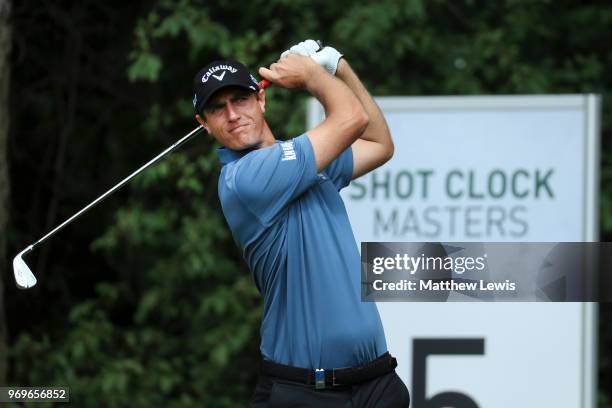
[145, 301]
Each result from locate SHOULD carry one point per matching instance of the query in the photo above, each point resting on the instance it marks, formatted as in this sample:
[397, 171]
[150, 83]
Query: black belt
[332, 377]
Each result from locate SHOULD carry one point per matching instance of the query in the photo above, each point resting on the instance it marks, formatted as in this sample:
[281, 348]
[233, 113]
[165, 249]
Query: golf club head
[23, 275]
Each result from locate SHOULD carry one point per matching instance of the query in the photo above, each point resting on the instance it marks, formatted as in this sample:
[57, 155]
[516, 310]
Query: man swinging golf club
[321, 346]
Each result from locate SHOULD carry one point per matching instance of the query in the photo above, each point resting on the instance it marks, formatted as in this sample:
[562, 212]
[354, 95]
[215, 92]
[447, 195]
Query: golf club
[24, 277]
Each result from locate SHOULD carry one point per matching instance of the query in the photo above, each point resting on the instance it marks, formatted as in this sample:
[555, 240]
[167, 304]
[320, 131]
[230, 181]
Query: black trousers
[386, 391]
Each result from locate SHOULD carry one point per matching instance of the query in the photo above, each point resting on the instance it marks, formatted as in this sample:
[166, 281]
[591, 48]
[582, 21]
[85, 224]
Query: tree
[5, 47]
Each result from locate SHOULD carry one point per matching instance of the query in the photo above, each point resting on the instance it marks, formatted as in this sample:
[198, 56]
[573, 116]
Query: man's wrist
[317, 81]
[343, 68]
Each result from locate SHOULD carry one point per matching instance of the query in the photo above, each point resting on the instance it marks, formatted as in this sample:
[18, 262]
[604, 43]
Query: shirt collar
[228, 155]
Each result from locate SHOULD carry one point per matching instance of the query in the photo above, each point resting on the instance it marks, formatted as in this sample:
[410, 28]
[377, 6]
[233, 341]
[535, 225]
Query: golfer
[321, 346]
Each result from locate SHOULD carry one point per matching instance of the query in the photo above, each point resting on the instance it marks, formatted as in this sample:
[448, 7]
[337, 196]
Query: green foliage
[176, 322]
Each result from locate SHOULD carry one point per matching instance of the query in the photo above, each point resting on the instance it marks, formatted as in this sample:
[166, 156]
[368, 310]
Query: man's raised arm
[345, 119]
[374, 147]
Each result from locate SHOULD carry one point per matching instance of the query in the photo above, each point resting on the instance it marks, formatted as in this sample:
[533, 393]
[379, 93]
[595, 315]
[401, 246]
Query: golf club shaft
[24, 277]
[120, 184]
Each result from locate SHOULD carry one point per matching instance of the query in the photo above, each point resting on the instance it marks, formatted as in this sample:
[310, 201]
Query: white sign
[507, 168]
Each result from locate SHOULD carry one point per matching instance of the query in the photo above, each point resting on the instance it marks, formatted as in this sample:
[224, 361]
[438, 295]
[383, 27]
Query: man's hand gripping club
[292, 73]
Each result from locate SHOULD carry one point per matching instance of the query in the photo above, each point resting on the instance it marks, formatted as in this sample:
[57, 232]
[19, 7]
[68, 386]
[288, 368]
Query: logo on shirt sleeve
[288, 151]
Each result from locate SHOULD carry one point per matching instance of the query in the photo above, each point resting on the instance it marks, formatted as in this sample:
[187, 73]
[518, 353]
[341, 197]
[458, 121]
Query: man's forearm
[345, 120]
[377, 129]
[336, 99]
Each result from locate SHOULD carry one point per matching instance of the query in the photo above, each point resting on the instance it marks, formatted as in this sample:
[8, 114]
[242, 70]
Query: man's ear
[261, 99]
[202, 122]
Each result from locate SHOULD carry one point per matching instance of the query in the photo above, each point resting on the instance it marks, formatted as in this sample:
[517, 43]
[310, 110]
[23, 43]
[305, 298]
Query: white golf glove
[327, 57]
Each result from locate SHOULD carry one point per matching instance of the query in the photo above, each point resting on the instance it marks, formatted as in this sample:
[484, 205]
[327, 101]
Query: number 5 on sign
[421, 348]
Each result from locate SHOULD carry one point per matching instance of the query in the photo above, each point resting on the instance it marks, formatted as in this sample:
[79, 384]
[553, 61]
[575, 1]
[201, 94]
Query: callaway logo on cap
[217, 75]
[221, 67]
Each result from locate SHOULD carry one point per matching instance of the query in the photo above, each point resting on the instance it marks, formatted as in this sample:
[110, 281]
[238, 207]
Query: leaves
[145, 65]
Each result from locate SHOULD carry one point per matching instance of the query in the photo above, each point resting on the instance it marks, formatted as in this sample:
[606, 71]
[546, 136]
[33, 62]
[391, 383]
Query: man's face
[234, 116]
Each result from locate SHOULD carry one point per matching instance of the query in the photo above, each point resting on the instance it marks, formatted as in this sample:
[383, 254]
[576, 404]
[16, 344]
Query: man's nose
[232, 113]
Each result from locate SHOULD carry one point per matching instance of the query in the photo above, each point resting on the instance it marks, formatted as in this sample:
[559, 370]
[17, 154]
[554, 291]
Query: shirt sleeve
[340, 170]
[268, 179]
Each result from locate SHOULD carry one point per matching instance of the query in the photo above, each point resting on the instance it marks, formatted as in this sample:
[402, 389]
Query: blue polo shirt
[295, 235]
